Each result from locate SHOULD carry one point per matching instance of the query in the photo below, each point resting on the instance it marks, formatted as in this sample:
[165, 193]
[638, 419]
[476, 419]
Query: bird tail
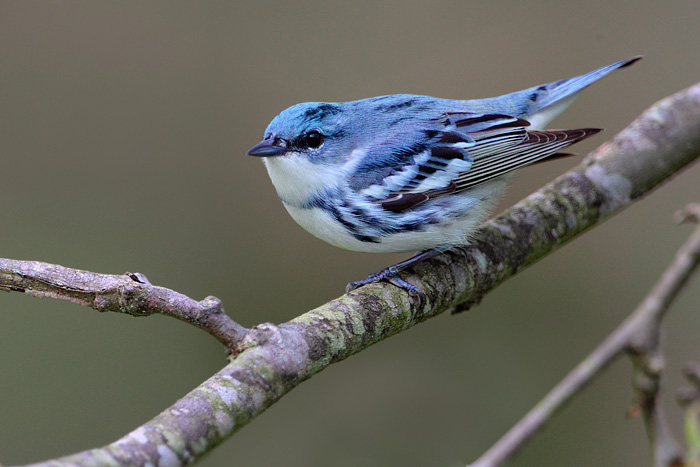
[549, 94]
[541, 104]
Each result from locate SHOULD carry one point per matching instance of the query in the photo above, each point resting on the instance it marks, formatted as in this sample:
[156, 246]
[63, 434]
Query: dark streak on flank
[323, 202]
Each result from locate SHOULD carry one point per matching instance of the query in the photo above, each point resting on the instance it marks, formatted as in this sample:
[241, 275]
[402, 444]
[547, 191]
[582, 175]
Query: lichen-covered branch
[128, 293]
[274, 359]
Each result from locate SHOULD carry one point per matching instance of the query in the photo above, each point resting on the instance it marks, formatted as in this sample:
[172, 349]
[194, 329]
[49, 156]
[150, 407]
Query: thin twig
[639, 334]
[645, 345]
[130, 293]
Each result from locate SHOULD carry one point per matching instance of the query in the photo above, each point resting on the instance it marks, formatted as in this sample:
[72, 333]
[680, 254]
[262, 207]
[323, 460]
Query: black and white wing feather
[470, 149]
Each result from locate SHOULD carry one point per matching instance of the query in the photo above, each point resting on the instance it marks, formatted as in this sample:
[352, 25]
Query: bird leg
[390, 274]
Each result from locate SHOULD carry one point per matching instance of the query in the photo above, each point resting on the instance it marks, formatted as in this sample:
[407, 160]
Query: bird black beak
[267, 148]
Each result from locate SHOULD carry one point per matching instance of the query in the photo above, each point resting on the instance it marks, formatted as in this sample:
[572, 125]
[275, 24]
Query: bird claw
[356, 284]
[390, 275]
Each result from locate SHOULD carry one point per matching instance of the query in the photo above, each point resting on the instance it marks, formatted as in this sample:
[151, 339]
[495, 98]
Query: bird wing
[469, 149]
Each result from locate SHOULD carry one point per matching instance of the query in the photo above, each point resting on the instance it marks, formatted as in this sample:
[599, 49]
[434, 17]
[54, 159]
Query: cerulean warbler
[406, 172]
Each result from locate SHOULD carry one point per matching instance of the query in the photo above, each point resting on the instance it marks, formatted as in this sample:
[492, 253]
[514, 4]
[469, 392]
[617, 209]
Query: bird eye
[313, 139]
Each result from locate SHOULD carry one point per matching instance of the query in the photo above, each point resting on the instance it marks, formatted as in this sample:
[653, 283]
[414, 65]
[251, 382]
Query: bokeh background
[123, 132]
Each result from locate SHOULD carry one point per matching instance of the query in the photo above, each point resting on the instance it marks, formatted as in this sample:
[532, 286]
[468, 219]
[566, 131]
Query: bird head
[317, 131]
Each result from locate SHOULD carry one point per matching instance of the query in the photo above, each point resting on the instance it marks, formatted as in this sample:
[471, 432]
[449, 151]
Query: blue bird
[406, 172]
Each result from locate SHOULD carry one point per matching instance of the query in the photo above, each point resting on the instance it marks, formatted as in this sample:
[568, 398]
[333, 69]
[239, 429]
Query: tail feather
[541, 104]
[548, 94]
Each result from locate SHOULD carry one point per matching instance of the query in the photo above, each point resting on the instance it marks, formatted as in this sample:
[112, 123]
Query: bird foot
[390, 275]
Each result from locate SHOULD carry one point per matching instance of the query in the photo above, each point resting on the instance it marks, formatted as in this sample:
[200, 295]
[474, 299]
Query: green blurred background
[123, 132]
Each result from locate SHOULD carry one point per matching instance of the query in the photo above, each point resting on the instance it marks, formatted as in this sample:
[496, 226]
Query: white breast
[296, 179]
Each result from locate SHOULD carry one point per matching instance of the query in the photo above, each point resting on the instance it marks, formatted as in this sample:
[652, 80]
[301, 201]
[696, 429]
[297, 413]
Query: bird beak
[267, 148]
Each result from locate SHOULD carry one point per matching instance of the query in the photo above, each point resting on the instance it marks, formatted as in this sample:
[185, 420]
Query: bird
[404, 172]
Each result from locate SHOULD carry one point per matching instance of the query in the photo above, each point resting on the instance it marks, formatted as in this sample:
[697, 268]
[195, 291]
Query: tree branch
[274, 359]
[130, 293]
